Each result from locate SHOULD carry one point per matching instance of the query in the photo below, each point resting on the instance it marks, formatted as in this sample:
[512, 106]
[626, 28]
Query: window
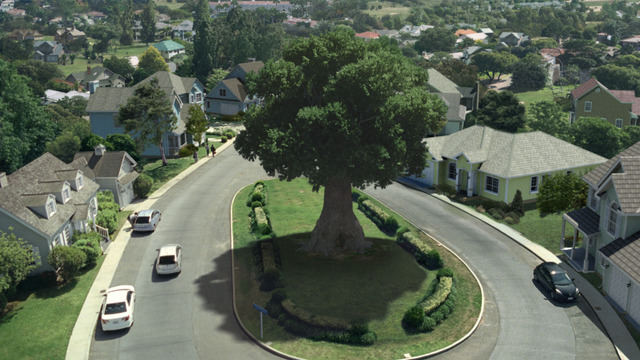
[198, 97]
[80, 182]
[613, 219]
[634, 121]
[492, 184]
[58, 240]
[65, 195]
[37, 261]
[208, 104]
[587, 106]
[619, 123]
[453, 170]
[51, 208]
[67, 233]
[534, 184]
[593, 203]
[223, 92]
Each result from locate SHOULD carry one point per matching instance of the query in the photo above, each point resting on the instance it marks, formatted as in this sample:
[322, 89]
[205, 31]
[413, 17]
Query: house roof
[624, 96]
[585, 219]
[555, 52]
[168, 45]
[367, 35]
[94, 73]
[595, 176]
[626, 254]
[585, 87]
[441, 83]
[511, 155]
[236, 87]
[32, 181]
[50, 47]
[461, 32]
[186, 25]
[252, 66]
[107, 165]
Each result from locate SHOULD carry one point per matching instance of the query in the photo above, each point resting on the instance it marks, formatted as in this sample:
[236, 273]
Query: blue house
[229, 96]
[181, 92]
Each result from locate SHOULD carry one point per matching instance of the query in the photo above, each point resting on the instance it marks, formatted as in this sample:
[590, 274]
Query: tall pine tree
[126, 23]
[149, 22]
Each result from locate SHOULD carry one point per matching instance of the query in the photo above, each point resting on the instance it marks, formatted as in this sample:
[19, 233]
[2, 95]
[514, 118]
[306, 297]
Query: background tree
[547, 116]
[151, 61]
[67, 261]
[529, 74]
[633, 135]
[25, 127]
[39, 73]
[342, 113]
[126, 24]
[196, 123]
[105, 34]
[459, 72]
[494, 64]
[436, 39]
[123, 142]
[215, 77]
[16, 262]
[148, 116]
[148, 23]
[120, 66]
[65, 146]
[499, 110]
[204, 52]
[598, 136]
[618, 78]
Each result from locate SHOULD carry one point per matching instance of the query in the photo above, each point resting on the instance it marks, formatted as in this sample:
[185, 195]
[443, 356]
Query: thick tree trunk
[337, 227]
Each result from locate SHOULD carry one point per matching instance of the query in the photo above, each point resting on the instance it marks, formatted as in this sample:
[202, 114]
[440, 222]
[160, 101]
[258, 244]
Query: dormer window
[51, 207]
[79, 182]
[66, 195]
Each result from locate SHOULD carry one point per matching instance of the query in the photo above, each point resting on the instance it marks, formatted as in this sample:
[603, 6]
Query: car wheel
[535, 277]
[553, 295]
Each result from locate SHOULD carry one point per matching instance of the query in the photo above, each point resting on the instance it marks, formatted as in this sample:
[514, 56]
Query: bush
[447, 189]
[517, 205]
[278, 295]
[142, 185]
[445, 272]
[433, 260]
[3, 302]
[443, 289]
[67, 261]
[323, 322]
[428, 325]
[400, 232]
[187, 150]
[223, 139]
[496, 213]
[414, 317]
[89, 243]
[511, 218]
[230, 134]
[107, 219]
[104, 197]
[270, 279]
[261, 221]
[391, 224]
[492, 204]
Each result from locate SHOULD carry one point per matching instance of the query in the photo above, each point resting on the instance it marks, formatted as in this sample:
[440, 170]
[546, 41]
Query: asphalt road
[190, 316]
[520, 322]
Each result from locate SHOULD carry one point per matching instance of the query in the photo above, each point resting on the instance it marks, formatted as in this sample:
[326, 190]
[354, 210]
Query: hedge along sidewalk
[82, 334]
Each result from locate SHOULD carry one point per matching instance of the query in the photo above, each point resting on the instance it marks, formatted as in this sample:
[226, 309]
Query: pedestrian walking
[213, 150]
[195, 155]
[207, 149]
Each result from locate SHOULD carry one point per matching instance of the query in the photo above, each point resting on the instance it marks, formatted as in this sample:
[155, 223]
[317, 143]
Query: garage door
[229, 109]
[634, 302]
[618, 289]
[427, 174]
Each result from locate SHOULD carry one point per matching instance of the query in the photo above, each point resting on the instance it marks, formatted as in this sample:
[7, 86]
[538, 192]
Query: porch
[586, 225]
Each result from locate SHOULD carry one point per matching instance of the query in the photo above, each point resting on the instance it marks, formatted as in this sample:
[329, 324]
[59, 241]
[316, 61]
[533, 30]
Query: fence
[103, 232]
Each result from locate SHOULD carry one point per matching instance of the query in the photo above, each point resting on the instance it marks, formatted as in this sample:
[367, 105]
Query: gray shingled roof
[626, 254]
[26, 186]
[512, 155]
[251, 66]
[455, 111]
[584, 219]
[236, 87]
[595, 176]
[441, 83]
[106, 166]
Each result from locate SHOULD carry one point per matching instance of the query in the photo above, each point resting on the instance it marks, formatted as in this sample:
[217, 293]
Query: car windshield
[561, 278]
[167, 260]
[143, 219]
[115, 308]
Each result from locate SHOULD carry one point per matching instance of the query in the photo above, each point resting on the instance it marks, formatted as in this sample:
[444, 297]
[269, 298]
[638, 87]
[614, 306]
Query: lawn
[377, 287]
[39, 325]
[80, 63]
[387, 8]
[548, 93]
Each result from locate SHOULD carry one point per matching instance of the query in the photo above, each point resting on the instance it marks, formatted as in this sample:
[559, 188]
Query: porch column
[564, 222]
[470, 179]
[585, 263]
[573, 247]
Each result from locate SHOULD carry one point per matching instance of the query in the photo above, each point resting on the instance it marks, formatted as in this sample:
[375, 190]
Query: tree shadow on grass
[349, 286]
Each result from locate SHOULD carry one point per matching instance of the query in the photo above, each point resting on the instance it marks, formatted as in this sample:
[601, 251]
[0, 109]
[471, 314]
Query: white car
[169, 259]
[147, 220]
[117, 308]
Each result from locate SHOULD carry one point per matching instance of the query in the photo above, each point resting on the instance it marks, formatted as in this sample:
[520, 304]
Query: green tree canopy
[25, 127]
[215, 77]
[499, 110]
[122, 142]
[561, 192]
[120, 66]
[529, 74]
[16, 261]
[342, 113]
[494, 64]
[65, 146]
[148, 23]
[196, 123]
[598, 136]
[618, 78]
[436, 39]
[148, 116]
[547, 116]
[459, 72]
[152, 61]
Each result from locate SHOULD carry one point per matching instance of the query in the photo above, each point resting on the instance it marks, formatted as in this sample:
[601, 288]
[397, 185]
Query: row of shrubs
[384, 221]
[320, 328]
[260, 223]
[268, 262]
[225, 134]
[424, 254]
[510, 213]
[436, 307]
[108, 211]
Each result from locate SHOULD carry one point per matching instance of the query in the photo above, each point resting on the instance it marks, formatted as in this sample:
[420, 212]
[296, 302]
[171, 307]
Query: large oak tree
[342, 113]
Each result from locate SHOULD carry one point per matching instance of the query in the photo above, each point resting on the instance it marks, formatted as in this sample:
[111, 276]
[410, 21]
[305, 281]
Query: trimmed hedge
[443, 289]
[423, 253]
[270, 273]
[379, 217]
[261, 221]
[319, 321]
[435, 308]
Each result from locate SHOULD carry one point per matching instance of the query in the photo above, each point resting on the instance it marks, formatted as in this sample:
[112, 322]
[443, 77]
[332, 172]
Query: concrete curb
[83, 331]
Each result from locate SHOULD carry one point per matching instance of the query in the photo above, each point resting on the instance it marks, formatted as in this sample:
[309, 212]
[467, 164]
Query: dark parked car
[553, 278]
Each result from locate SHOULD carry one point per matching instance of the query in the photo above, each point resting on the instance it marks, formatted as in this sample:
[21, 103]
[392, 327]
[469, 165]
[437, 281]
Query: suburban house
[17, 13]
[510, 39]
[48, 51]
[450, 93]
[68, 35]
[633, 42]
[97, 76]
[609, 230]
[184, 30]
[468, 53]
[181, 92]
[495, 164]
[415, 30]
[25, 34]
[53, 96]
[169, 48]
[367, 35]
[7, 5]
[229, 96]
[44, 203]
[619, 107]
[112, 170]
[96, 15]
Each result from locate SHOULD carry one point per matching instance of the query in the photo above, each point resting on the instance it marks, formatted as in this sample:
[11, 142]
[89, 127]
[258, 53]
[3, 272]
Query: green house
[495, 164]
[169, 48]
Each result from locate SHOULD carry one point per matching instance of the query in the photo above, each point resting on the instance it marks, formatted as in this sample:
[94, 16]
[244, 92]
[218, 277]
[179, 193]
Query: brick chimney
[88, 69]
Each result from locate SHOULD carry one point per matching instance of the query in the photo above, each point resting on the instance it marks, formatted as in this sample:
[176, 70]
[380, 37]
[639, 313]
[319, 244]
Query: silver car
[147, 220]
[169, 259]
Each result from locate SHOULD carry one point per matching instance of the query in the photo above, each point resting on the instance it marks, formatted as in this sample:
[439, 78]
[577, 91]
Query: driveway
[519, 322]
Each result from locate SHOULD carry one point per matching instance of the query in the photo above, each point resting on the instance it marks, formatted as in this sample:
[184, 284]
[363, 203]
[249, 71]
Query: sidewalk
[615, 328]
[82, 334]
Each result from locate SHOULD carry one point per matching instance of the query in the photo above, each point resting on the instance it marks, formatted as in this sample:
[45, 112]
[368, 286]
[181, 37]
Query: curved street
[191, 316]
